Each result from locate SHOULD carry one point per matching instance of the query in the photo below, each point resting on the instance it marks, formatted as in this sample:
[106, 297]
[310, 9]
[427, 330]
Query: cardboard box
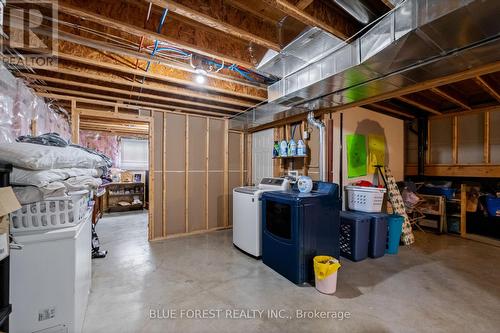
[8, 204]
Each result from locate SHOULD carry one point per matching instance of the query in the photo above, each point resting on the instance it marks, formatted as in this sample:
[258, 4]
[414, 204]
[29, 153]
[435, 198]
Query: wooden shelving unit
[118, 192]
[288, 157]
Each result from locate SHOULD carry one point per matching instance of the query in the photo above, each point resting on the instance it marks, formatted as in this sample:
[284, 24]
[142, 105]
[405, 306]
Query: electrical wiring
[160, 26]
[163, 50]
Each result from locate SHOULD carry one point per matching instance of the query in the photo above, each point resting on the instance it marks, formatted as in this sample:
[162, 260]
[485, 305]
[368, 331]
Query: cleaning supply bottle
[276, 149]
[292, 148]
[301, 148]
[283, 148]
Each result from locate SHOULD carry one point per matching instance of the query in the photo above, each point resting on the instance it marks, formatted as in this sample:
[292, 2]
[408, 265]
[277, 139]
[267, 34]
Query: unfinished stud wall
[236, 166]
[463, 145]
[441, 136]
[308, 166]
[196, 163]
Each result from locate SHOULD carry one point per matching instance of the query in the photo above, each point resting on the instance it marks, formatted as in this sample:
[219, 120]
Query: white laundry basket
[55, 213]
[365, 199]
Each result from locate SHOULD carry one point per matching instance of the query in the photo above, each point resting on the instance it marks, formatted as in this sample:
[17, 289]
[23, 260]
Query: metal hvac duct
[418, 41]
[357, 9]
[322, 151]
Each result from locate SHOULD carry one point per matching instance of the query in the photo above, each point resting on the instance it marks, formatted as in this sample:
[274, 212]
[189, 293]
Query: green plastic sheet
[356, 156]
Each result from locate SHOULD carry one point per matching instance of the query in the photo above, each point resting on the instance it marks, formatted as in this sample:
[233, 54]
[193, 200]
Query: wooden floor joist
[166, 100]
[454, 99]
[300, 15]
[127, 106]
[213, 90]
[419, 105]
[488, 88]
[215, 23]
[141, 32]
[392, 110]
[126, 83]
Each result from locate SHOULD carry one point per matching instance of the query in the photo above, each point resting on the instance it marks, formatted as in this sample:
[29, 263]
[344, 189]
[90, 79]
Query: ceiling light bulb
[200, 79]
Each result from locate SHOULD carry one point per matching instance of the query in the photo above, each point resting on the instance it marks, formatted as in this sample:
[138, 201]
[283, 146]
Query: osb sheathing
[130, 62]
[176, 27]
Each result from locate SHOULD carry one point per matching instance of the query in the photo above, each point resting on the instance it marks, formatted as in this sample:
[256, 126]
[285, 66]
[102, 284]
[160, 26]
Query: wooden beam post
[487, 129]
[242, 159]
[186, 183]
[34, 127]
[207, 165]
[164, 178]
[226, 172]
[455, 141]
[75, 123]
[151, 205]
[463, 210]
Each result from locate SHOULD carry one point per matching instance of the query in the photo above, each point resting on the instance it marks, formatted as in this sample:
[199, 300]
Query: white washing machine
[247, 208]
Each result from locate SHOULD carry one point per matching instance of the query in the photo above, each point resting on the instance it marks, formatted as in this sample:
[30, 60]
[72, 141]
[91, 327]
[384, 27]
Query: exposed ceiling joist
[110, 79]
[125, 99]
[163, 78]
[488, 88]
[388, 4]
[93, 125]
[303, 4]
[451, 97]
[215, 23]
[106, 47]
[392, 110]
[124, 106]
[473, 110]
[112, 115]
[128, 91]
[419, 105]
[114, 101]
[308, 19]
[141, 32]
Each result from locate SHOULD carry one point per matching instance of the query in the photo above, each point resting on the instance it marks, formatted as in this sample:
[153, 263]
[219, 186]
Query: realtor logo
[29, 32]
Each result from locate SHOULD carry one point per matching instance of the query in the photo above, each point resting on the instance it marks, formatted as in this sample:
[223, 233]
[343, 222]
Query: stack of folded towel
[47, 167]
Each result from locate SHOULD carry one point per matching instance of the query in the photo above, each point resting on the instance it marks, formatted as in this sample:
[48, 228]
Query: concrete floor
[441, 284]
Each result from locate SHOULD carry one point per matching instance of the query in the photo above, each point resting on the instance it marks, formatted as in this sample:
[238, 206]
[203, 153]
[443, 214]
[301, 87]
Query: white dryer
[247, 209]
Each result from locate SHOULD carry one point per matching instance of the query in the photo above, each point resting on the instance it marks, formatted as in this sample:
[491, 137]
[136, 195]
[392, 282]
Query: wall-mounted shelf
[287, 157]
[125, 194]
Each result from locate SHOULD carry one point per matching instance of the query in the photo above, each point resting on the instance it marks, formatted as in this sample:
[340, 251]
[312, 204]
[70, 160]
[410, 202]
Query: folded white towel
[41, 178]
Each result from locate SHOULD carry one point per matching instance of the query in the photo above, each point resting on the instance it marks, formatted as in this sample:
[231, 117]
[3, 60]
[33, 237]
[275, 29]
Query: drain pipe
[321, 126]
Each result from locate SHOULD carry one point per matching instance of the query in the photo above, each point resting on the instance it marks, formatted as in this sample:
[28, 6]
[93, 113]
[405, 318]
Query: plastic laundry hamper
[354, 235]
[50, 214]
[395, 227]
[365, 199]
[325, 272]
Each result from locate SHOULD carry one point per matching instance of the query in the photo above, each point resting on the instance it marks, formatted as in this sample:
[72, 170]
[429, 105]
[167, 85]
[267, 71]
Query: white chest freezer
[50, 280]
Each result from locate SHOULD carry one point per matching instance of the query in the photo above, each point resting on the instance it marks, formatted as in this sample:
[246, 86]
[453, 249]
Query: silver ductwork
[419, 40]
[356, 9]
[322, 148]
[310, 45]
